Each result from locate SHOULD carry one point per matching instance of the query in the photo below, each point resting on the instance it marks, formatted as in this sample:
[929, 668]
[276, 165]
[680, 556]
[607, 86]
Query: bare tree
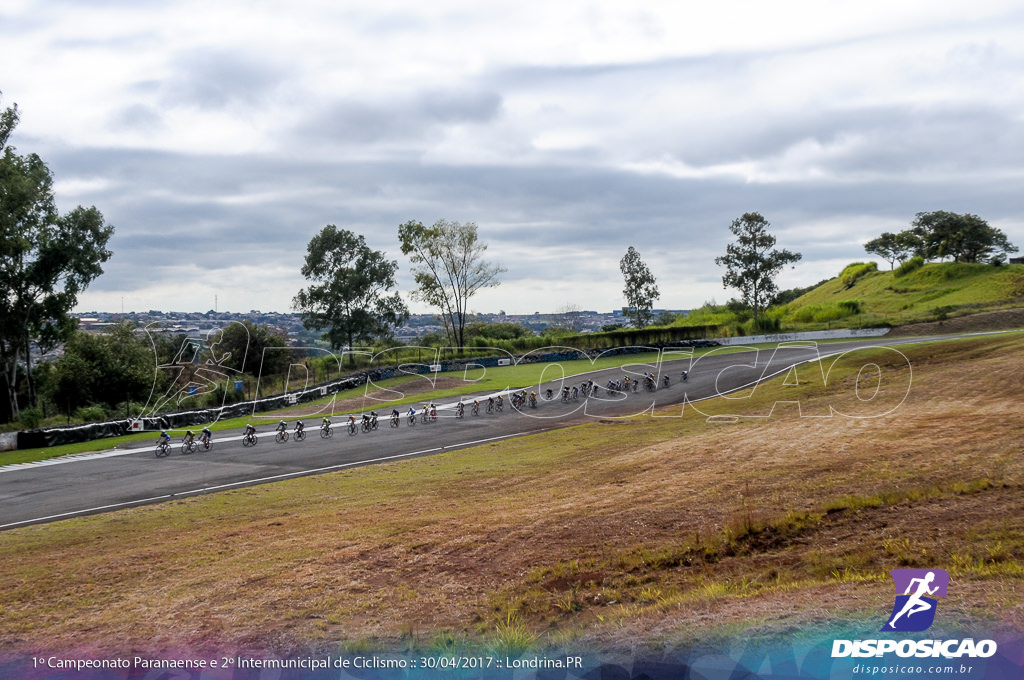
[449, 269]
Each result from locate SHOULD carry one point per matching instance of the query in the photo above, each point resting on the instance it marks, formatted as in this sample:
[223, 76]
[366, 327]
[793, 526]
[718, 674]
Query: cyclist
[298, 426]
[394, 417]
[352, 422]
[664, 379]
[549, 394]
[373, 420]
[685, 375]
[282, 426]
[501, 401]
[533, 399]
[412, 413]
[189, 437]
[325, 423]
[575, 392]
[205, 436]
[164, 438]
[249, 429]
[433, 411]
[460, 409]
[490, 404]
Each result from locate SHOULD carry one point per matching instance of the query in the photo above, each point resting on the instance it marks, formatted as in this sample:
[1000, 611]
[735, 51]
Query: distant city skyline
[217, 143]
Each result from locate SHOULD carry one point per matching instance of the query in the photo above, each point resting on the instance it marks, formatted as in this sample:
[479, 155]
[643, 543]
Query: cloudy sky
[218, 138]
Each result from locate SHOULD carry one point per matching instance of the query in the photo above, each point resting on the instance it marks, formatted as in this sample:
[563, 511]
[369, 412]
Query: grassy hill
[864, 296]
[646, 534]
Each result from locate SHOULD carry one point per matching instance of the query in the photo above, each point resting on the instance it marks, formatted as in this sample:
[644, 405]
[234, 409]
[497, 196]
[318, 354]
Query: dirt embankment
[1003, 319]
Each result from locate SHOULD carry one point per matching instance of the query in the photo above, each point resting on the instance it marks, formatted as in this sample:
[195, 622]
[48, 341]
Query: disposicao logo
[914, 610]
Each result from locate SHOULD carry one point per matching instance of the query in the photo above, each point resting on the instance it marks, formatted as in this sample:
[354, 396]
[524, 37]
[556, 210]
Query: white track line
[262, 480]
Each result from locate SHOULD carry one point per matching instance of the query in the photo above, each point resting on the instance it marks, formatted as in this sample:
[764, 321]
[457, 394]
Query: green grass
[363, 546]
[475, 381]
[958, 288]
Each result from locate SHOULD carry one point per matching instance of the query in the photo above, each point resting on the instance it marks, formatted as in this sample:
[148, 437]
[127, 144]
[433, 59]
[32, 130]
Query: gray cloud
[214, 79]
[543, 223]
[564, 149]
[400, 118]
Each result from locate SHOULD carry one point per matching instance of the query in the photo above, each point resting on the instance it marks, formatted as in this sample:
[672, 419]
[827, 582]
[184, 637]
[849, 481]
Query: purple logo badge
[916, 590]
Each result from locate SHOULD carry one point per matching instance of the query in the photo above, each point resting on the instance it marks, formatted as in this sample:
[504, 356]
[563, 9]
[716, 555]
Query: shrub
[31, 418]
[856, 270]
[851, 307]
[91, 414]
[911, 265]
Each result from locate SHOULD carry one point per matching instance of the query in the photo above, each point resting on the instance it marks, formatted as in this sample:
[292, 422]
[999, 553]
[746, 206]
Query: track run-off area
[59, 488]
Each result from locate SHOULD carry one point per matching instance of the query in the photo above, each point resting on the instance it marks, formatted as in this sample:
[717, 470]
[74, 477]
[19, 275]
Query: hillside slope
[933, 292]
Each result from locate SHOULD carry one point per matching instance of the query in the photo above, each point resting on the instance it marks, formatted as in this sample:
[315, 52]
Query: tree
[890, 247]
[247, 348]
[751, 264]
[100, 369]
[46, 260]
[965, 238]
[350, 295]
[449, 269]
[641, 288]
[570, 317]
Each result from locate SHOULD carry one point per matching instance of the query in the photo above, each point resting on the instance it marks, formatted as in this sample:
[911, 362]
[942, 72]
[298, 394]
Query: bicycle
[460, 410]
[163, 449]
[395, 421]
[300, 435]
[206, 443]
[490, 407]
[500, 405]
[326, 432]
[188, 446]
[352, 427]
[250, 439]
[476, 409]
[366, 425]
[281, 436]
[412, 419]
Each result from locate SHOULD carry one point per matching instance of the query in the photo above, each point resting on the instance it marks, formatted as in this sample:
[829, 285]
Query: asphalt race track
[91, 483]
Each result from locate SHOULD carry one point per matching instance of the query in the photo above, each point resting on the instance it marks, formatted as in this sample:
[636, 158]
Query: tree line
[47, 259]
[940, 234]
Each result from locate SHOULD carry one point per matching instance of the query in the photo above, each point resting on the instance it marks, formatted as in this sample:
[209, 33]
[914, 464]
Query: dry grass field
[646, 532]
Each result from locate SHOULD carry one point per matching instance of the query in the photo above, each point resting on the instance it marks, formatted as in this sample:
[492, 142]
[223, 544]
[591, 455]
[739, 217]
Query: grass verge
[650, 531]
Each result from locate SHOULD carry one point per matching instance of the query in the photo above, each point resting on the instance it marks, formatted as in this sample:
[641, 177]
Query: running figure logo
[915, 609]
